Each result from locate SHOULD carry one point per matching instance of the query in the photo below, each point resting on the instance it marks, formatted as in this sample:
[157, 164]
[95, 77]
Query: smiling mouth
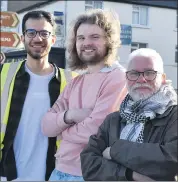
[88, 51]
[37, 46]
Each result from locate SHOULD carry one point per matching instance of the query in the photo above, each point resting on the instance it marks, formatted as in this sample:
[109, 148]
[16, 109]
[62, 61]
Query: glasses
[31, 33]
[149, 75]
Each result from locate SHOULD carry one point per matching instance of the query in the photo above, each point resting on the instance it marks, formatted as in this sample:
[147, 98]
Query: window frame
[92, 5]
[147, 18]
[133, 48]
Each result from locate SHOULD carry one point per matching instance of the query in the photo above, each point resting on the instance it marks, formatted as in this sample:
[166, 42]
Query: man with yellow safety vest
[28, 89]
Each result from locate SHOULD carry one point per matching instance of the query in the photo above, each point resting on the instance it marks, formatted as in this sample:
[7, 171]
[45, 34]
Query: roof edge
[121, 1]
[146, 4]
[36, 5]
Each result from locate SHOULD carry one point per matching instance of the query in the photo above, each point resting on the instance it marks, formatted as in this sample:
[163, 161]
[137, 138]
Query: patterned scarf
[136, 114]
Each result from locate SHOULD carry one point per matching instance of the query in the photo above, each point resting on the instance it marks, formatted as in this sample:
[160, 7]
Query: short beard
[94, 60]
[37, 57]
[139, 96]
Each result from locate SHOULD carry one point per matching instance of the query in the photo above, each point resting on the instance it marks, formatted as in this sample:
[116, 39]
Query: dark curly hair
[38, 15]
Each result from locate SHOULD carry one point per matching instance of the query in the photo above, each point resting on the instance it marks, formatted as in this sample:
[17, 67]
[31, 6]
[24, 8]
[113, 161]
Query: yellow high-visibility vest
[8, 74]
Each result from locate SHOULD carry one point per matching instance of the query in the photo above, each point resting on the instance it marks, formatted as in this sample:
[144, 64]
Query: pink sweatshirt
[102, 91]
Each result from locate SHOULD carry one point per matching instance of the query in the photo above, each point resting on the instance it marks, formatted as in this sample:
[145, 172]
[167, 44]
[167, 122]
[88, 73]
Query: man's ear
[53, 39]
[22, 38]
[163, 78]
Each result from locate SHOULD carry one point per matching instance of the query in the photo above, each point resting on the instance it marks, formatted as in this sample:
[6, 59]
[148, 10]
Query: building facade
[143, 25]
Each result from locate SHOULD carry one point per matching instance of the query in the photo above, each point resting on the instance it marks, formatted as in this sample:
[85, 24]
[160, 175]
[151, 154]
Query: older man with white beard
[140, 141]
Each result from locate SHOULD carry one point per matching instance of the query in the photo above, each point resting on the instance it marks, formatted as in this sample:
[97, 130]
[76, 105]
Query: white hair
[149, 53]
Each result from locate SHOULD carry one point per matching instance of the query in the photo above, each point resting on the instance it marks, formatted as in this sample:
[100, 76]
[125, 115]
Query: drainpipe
[65, 21]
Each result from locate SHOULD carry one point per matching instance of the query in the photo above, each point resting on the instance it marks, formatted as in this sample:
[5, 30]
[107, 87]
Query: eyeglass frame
[25, 33]
[142, 73]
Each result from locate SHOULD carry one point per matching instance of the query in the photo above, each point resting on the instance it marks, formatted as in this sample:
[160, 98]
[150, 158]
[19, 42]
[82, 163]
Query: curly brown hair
[106, 20]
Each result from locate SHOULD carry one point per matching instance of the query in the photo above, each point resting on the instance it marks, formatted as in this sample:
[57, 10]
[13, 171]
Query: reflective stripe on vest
[66, 77]
[8, 74]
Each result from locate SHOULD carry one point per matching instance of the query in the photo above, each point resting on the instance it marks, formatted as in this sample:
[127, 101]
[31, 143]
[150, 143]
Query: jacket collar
[159, 121]
[22, 70]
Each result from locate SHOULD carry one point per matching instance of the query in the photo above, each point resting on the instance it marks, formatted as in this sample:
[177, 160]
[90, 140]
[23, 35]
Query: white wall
[73, 9]
[162, 37]
[125, 17]
[171, 73]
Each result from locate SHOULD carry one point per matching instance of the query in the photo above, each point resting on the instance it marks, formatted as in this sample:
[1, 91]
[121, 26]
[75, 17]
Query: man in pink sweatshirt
[77, 114]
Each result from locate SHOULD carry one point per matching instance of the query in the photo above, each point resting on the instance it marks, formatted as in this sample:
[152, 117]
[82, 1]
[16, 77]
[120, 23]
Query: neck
[96, 68]
[39, 67]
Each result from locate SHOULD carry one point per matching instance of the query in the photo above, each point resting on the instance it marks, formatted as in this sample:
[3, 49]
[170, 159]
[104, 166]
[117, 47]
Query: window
[140, 15]
[136, 45]
[93, 5]
[176, 52]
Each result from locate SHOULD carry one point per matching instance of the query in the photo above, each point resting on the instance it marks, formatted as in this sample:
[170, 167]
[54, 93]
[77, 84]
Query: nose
[37, 37]
[86, 41]
[141, 79]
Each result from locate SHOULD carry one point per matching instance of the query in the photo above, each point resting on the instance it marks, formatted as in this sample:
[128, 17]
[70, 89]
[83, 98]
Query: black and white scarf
[136, 114]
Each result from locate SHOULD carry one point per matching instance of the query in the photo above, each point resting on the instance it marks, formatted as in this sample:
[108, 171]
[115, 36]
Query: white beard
[136, 95]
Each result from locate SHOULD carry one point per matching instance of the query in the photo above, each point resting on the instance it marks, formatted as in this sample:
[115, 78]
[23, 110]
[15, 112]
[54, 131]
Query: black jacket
[156, 157]
[8, 165]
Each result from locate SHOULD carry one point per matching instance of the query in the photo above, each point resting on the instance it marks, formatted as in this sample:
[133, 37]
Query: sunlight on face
[37, 47]
[142, 88]
[91, 44]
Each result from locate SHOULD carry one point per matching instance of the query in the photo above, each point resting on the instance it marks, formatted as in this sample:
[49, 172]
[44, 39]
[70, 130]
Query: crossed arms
[145, 161]
[79, 124]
